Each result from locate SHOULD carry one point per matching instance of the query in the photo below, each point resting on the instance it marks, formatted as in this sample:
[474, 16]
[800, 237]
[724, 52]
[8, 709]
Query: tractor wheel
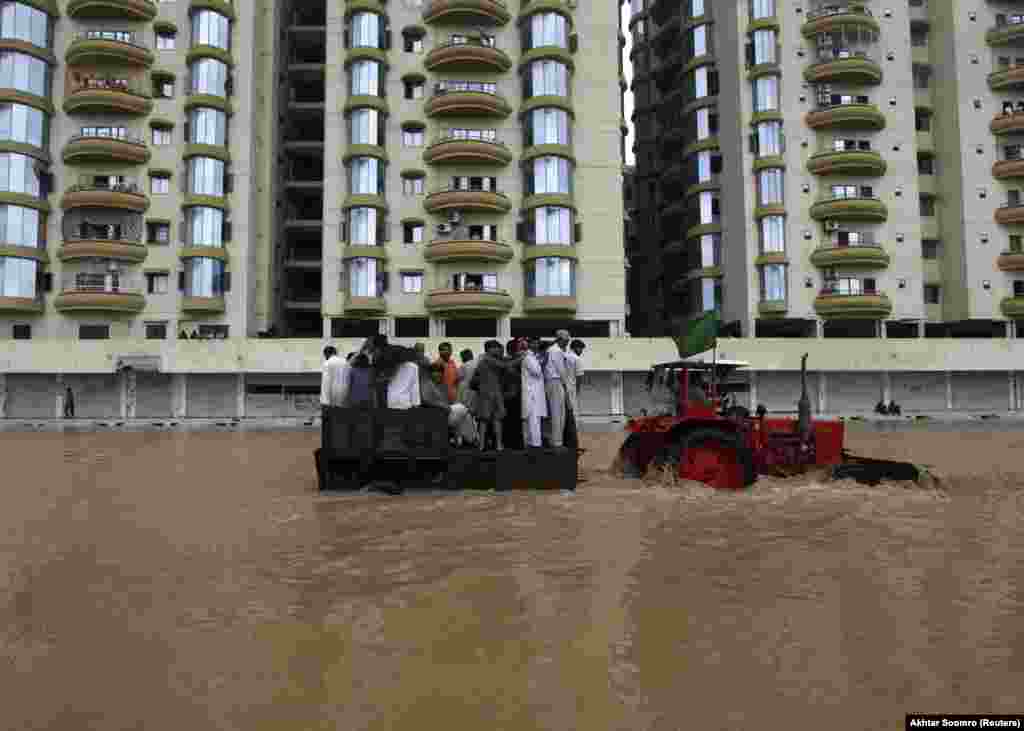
[627, 464]
[716, 458]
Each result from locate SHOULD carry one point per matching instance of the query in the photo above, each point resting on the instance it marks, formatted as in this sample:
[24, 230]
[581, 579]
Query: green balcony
[847, 162]
[870, 210]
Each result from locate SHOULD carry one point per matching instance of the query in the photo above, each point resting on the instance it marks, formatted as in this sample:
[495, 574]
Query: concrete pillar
[436, 328]
[949, 390]
[59, 405]
[3, 395]
[753, 391]
[886, 387]
[179, 395]
[920, 329]
[1010, 327]
[128, 380]
[327, 328]
[822, 393]
[617, 396]
[880, 330]
[819, 328]
[1011, 381]
[240, 386]
[382, 326]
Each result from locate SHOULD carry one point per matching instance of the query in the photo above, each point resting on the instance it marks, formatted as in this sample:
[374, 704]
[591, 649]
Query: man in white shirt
[333, 388]
[404, 387]
[573, 371]
[554, 387]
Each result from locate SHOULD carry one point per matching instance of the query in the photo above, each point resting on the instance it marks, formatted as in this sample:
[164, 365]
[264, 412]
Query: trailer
[410, 448]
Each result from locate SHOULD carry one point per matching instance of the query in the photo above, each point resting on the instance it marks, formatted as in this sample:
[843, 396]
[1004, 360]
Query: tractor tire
[624, 465]
[715, 457]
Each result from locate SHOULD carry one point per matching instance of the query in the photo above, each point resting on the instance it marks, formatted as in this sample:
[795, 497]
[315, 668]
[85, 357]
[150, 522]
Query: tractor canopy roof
[702, 365]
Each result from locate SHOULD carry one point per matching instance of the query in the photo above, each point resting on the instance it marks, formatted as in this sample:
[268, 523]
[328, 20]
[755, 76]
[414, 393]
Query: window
[769, 186]
[709, 208]
[162, 136]
[412, 186]
[551, 277]
[367, 30]
[484, 87]
[19, 226]
[482, 232]
[20, 22]
[209, 332]
[365, 176]
[922, 121]
[414, 89]
[157, 282]
[550, 175]
[768, 139]
[204, 277]
[918, 38]
[1015, 244]
[764, 47]
[206, 176]
[699, 40]
[158, 232]
[412, 233]
[466, 281]
[458, 133]
[708, 164]
[552, 225]
[773, 235]
[207, 126]
[18, 277]
[165, 41]
[773, 283]
[94, 332]
[205, 226]
[548, 126]
[22, 332]
[766, 94]
[474, 183]
[412, 138]
[21, 123]
[1018, 288]
[762, 9]
[926, 165]
[209, 76]
[927, 206]
[412, 44]
[159, 184]
[364, 278]
[932, 294]
[210, 29]
[163, 88]
[363, 226]
[412, 282]
[852, 191]
[710, 250]
[547, 29]
[365, 78]
[547, 78]
[24, 73]
[364, 127]
[156, 331]
[929, 249]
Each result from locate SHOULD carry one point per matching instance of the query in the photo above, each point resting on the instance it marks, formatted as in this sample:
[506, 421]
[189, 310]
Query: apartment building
[309, 169]
[832, 168]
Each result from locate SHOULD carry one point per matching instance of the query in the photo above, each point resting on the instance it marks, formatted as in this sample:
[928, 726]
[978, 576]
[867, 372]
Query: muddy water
[197, 580]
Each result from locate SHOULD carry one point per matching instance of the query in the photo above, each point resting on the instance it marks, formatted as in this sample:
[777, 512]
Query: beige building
[419, 168]
[833, 168]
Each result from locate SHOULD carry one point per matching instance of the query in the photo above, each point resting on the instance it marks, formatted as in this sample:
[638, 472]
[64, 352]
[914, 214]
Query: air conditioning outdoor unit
[454, 216]
[444, 228]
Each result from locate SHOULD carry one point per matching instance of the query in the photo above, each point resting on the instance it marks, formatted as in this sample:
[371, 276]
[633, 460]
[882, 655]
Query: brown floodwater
[198, 581]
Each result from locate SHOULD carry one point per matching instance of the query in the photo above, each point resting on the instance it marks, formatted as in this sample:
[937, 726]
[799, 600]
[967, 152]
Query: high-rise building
[311, 168]
[832, 168]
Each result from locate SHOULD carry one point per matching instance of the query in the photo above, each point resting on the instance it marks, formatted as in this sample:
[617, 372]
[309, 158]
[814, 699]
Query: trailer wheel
[716, 458]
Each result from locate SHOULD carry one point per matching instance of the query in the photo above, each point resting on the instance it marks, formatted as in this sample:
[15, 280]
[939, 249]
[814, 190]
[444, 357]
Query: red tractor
[707, 440]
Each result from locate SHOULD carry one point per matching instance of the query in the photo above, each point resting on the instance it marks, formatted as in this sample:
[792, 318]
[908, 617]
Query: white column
[382, 326]
[753, 391]
[436, 328]
[616, 395]
[179, 395]
[59, 406]
[822, 393]
[881, 331]
[505, 328]
[240, 385]
[819, 328]
[3, 395]
[1010, 379]
[920, 329]
[886, 387]
[128, 381]
[327, 328]
[949, 390]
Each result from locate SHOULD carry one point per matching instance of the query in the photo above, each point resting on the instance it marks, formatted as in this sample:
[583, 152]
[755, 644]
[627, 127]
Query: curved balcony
[469, 301]
[772, 308]
[837, 18]
[105, 96]
[127, 9]
[874, 306]
[854, 69]
[549, 304]
[365, 305]
[866, 256]
[1010, 214]
[467, 104]
[452, 150]
[467, 12]
[850, 209]
[119, 250]
[1011, 261]
[1008, 169]
[847, 162]
[1007, 124]
[108, 47]
[471, 56]
[88, 299]
[88, 149]
[1006, 78]
[1004, 33]
[22, 305]
[486, 201]
[854, 116]
[451, 250]
[1013, 307]
[126, 197]
[202, 304]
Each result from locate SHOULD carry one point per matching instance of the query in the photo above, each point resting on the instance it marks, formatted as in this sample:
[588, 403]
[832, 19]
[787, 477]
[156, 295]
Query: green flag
[698, 335]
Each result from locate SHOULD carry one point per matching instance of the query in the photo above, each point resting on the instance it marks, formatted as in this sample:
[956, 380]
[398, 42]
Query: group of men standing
[525, 394]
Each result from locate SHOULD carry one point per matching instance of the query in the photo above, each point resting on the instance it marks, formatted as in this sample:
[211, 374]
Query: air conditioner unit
[454, 216]
[444, 228]
[113, 266]
[831, 225]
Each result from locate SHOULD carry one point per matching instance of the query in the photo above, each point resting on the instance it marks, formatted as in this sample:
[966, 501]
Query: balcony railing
[862, 240]
[842, 100]
[98, 282]
[826, 55]
[120, 85]
[124, 136]
[469, 189]
[848, 9]
[845, 290]
[1004, 20]
[451, 136]
[126, 186]
[1009, 110]
[454, 87]
[121, 36]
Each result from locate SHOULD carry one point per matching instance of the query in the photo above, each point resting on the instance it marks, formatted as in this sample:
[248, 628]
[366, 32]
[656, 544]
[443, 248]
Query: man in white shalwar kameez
[534, 401]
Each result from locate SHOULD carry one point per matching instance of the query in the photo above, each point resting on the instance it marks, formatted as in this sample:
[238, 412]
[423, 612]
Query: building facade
[836, 169]
[311, 169]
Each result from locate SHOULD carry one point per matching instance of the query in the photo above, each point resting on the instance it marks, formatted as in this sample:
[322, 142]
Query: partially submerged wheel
[630, 462]
[716, 458]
